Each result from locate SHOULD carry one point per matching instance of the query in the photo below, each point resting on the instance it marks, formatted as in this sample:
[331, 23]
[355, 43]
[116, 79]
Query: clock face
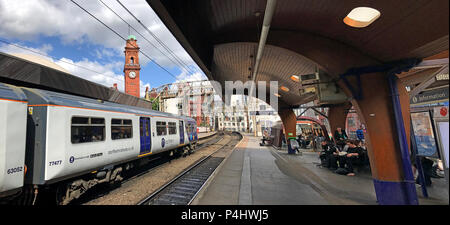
[132, 74]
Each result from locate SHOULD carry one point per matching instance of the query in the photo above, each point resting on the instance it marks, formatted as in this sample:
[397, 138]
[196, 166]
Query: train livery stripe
[101, 110]
[145, 154]
[12, 100]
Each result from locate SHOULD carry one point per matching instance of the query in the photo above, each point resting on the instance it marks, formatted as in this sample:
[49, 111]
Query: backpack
[324, 160]
[341, 171]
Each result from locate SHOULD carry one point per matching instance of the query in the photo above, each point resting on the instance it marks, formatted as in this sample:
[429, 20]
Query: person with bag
[328, 155]
[351, 157]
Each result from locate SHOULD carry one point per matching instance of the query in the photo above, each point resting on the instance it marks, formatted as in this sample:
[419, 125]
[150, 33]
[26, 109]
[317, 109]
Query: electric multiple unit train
[71, 143]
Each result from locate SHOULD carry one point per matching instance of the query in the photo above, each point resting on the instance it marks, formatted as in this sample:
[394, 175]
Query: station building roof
[222, 36]
[36, 72]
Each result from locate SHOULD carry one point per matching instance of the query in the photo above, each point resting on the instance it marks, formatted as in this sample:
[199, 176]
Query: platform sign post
[424, 142]
[441, 123]
[424, 134]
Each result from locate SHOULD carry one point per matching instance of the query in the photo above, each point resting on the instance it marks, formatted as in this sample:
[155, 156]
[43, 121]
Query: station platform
[206, 134]
[262, 175]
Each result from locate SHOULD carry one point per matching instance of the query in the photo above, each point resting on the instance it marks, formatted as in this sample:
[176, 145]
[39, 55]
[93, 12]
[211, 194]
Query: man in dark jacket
[329, 155]
[340, 136]
[353, 156]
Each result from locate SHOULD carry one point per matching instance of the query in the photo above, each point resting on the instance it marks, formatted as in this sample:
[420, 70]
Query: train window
[80, 120]
[116, 121]
[172, 128]
[161, 128]
[121, 129]
[97, 121]
[87, 129]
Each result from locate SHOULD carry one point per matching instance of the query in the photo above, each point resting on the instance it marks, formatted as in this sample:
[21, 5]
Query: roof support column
[337, 116]
[290, 125]
[385, 141]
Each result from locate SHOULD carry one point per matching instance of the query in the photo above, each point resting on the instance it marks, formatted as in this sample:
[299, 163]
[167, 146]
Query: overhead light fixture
[286, 89]
[361, 17]
[276, 94]
[295, 78]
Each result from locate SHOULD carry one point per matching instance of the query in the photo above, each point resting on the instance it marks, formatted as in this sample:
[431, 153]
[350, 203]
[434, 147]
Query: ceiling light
[361, 17]
[295, 78]
[276, 94]
[286, 89]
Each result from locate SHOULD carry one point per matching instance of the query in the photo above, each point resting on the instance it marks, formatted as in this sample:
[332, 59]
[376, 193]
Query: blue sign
[424, 134]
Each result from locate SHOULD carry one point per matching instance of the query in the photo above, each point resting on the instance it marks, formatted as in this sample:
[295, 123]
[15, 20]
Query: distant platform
[206, 134]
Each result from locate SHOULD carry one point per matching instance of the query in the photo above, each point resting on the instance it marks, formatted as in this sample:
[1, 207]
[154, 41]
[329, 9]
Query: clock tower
[132, 67]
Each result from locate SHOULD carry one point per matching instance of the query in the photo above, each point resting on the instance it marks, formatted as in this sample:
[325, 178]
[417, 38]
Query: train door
[145, 135]
[181, 126]
[189, 130]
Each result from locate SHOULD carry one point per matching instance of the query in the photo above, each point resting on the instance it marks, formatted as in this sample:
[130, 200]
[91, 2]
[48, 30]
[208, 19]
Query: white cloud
[104, 74]
[142, 88]
[185, 76]
[40, 51]
[29, 19]
[94, 71]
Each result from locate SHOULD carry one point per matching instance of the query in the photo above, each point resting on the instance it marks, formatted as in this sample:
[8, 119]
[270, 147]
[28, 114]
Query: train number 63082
[15, 170]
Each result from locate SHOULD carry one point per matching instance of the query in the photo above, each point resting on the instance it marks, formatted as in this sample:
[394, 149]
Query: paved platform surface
[255, 175]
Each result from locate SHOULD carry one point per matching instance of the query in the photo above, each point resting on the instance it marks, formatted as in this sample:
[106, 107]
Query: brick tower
[132, 67]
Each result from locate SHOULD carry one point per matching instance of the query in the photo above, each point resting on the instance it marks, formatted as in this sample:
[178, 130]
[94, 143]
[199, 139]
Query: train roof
[11, 92]
[38, 96]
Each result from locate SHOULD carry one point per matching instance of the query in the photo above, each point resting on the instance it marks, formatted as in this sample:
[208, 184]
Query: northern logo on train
[71, 159]
[163, 142]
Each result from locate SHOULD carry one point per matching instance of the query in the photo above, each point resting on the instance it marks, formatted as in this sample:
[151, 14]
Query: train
[71, 143]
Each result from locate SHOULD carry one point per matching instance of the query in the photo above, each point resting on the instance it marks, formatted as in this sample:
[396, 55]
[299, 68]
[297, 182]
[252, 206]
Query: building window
[161, 128]
[172, 128]
[131, 60]
[121, 129]
[87, 129]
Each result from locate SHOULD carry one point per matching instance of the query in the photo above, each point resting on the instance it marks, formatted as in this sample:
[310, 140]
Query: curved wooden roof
[213, 32]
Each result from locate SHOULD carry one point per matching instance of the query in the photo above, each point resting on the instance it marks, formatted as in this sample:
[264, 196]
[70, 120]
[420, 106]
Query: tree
[155, 104]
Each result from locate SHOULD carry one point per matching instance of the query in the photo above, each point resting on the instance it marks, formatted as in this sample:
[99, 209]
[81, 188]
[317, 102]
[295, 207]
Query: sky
[60, 31]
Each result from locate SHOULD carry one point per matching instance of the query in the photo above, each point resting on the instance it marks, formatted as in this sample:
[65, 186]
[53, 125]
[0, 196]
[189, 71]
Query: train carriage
[76, 142]
[13, 109]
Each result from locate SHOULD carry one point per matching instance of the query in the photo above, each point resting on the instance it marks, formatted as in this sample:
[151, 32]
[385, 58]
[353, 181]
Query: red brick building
[132, 67]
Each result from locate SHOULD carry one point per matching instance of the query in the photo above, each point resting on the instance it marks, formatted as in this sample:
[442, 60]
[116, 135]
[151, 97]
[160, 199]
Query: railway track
[182, 189]
[153, 164]
[203, 143]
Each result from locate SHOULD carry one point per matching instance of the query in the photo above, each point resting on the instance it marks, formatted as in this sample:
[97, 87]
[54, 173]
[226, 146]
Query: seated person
[351, 157]
[340, 136]
[294, 145]
[265, 138]
[329, 155]
[302, 141]
[364, 155]
[307, 141]
[299, 139]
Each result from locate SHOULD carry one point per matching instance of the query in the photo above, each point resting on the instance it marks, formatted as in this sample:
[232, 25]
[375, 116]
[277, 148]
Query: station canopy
[304, 36]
